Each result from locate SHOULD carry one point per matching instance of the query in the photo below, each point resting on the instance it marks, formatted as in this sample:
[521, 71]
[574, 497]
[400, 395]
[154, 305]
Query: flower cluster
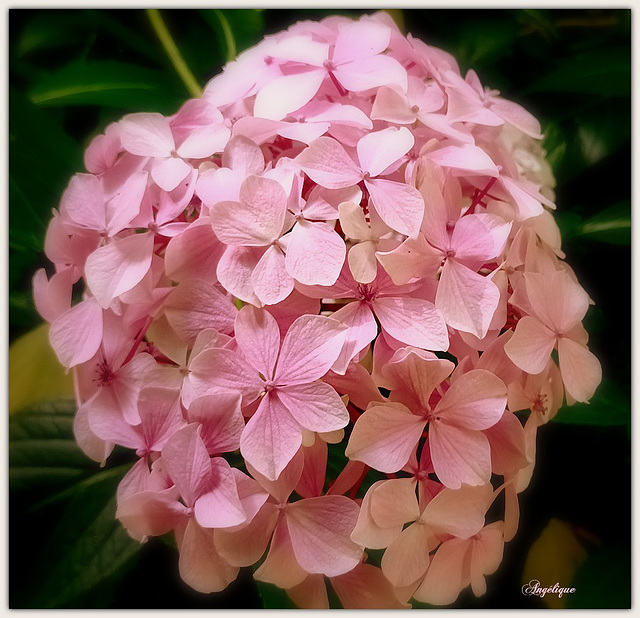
[311, 302]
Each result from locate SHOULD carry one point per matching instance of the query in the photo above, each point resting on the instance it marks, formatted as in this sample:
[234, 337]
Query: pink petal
[444, 579]
[458, 512]
[52, 297]
[197, 304]
[326, 163]
[362, 331]
[168, 173]
[117, 267]
[125, 205]
[286, 482]
[310, 347]
[271, 438]
[76, 334]
[558, 301]
[365, 587]
[407, 558]
[517, 116]
[204, 141]
[476, 400]
[193, 253]
[92, 446]
[270, 279]
[187, 462]
[146, 135]
[310, 593]
[235, 269]
[392, 106]
[316, 406]
[528, 206]
[360, 39]
[257, 219]
[459, 455]
[384, 437]
[160, 414]
[246, 544]
[413, 378]
[466, 158]
[320, 529]
[280, 567]
[378, 150]
[219, 506]
[299, 87]
[286, 312]
[200, 564]
[413, 321]
[357, 383]
[366, 532]
[362, 262]
[580, 369]
[243, 156]
[151, 513]
[315, 253]
[466, 299]
[479, 237]
[394, 503]
[371, 73]
[258, 337]
[224, 370]
[221, 420]
[84, 203]
[399, 205]
[531, 345]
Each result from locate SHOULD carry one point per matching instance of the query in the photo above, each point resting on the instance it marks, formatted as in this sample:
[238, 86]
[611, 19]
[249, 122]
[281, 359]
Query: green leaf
[35, 373]
[602, 72]
[612, 225]
[87, 546]
[603, 581]
[43, 454]
[42, 157]
[609, 406]
[110, 83]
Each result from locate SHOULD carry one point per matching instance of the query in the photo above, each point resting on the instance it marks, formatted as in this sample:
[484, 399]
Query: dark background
[571, 68]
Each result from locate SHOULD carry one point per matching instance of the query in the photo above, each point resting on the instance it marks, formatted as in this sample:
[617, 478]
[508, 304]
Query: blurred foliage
[35, 374]
[71, 72]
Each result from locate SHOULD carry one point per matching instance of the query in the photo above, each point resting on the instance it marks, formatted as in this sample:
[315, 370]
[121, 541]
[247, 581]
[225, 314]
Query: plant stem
[228, 35]
[173, 53]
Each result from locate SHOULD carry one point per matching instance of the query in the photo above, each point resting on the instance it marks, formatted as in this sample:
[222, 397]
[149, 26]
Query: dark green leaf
[110, 83]
[43, 454]
[612, 225]
[87, 546]
[42, 159]
[609, 406]
[603, 581]
[604, 72]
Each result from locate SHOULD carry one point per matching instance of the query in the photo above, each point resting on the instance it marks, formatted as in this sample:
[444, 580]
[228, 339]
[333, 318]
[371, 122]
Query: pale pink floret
[307, 536]
[386, 434]
[287, 379]
[399, 205]
[558, 305]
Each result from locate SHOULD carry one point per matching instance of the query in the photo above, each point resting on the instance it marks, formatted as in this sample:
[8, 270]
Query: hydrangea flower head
[338, 255]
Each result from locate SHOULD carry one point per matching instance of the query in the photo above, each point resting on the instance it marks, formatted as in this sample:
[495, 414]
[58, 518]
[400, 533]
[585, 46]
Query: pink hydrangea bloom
[310, 304]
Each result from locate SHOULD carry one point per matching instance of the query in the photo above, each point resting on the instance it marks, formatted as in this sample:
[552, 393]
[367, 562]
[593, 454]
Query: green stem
[228, 35]
[173, 53]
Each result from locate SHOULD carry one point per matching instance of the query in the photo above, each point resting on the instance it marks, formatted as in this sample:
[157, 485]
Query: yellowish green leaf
[34, 371]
